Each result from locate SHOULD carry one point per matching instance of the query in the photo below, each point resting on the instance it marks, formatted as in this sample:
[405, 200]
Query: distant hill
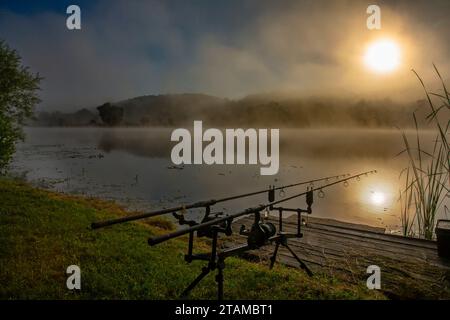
[170, 109]
[252, 111]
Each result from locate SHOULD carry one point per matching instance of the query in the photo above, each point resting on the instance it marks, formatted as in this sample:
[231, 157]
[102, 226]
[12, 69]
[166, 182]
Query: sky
[223, 48]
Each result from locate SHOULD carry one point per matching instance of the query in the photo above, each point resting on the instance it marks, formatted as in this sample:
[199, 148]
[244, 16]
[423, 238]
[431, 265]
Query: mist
[229, 50]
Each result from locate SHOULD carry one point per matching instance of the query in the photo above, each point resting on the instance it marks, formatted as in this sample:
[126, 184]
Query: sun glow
[378, 198]
[382, 56]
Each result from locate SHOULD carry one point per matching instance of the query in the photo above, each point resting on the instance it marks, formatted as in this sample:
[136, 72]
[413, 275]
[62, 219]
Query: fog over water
[133, 166]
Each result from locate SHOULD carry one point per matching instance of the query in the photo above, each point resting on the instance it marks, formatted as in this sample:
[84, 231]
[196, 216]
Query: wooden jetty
[410, 267]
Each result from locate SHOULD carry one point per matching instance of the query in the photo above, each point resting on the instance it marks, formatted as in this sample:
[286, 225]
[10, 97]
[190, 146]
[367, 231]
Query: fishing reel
[260, 232]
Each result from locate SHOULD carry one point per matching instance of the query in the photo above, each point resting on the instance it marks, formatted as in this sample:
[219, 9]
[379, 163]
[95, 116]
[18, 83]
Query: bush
[18, 96]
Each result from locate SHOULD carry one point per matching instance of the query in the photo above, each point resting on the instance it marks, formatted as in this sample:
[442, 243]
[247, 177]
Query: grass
[42, 233]
[427, 174]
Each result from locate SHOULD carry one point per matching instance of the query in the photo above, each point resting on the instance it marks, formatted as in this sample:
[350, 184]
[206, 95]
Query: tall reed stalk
[427, 174]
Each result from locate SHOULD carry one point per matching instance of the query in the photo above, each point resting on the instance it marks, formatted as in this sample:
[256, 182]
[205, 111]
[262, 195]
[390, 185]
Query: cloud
[126, 49]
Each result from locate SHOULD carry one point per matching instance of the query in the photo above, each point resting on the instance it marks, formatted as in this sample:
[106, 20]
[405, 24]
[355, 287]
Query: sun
[382, 56]
[378, 198]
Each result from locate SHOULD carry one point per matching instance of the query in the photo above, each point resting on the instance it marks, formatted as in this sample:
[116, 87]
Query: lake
[133, 167]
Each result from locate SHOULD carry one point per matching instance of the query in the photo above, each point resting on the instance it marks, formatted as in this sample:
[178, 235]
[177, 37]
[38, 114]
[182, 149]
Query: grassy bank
[42, 233]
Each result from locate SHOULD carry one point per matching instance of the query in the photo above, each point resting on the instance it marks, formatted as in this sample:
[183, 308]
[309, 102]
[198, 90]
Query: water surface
[133, 166]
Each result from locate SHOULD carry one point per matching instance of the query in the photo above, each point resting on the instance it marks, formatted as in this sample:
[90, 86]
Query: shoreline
[44, 232]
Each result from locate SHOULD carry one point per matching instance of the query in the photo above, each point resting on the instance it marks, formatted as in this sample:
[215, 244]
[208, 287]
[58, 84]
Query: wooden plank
[327, 239]
[337, 223]
[343, 248]
[340, 242]
[351, 265]
[362, 234]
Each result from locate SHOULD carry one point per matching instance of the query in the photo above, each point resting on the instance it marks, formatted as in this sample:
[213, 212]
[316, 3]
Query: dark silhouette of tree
[18, 97]
[110, 114]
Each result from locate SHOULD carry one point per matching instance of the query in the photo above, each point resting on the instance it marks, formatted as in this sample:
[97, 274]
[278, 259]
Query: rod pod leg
[204, 273]
[302, 264]
[273, 258]
[219, 278]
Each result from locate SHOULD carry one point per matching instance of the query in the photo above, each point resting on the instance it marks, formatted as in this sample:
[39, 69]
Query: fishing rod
[260, 234]
[203, 204]
[228, 218]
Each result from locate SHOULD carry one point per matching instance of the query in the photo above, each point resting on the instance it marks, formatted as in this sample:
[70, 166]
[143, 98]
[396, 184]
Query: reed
[427, 174]
[405, 199]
